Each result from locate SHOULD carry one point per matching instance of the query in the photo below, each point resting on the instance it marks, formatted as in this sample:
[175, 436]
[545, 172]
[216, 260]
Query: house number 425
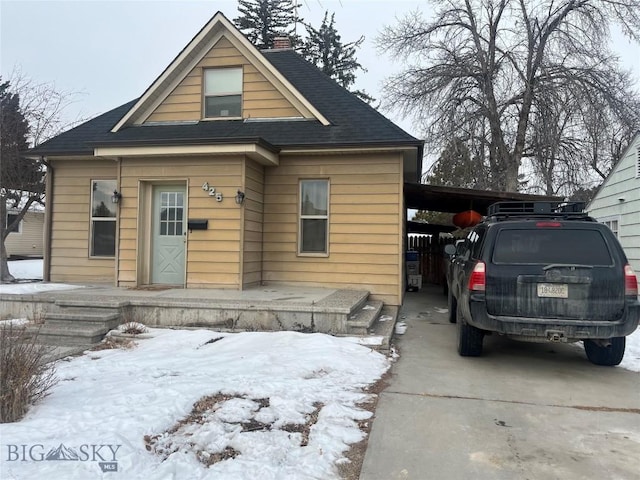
[211, 191]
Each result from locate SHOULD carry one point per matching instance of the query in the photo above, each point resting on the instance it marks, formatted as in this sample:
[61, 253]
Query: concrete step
[68, 336]
[92, 303]
[384, 326]
[359, 322]
[72, 317]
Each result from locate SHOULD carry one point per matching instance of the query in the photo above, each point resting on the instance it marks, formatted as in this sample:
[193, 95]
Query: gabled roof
[627, 150]
[191, 55]
[343, 120]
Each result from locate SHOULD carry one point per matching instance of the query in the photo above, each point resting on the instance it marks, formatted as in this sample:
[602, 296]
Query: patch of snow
[15, 322]
[117, 397]
[371, 340]
[368, 307]
[385, 318]
[441, 310]
[26, 269]
[30, 288]
[631, 360]
[30, 270]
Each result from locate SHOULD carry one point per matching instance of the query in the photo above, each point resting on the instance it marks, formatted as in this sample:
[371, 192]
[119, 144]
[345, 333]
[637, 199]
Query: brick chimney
[281, 43]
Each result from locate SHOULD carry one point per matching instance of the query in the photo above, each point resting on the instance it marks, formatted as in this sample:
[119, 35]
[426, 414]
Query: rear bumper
[548, 327]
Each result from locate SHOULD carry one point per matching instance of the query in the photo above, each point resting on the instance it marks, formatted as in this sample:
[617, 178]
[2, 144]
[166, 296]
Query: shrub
[25, 375]
[133, 328]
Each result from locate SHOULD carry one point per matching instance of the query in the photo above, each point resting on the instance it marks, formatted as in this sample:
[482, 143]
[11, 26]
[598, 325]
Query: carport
[437, 198]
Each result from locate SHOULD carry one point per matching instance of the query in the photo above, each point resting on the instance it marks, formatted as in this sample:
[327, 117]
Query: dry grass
[25, 376]
[110, 343]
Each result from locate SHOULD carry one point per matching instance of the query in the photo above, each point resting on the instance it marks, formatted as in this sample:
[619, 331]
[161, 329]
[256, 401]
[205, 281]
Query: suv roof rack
[540, 209]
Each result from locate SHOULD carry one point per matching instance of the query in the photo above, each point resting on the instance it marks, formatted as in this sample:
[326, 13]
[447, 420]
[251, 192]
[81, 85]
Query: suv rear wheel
[469, 338]
[609, 355]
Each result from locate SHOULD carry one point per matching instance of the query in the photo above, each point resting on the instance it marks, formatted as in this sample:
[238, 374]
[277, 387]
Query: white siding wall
[619, 198]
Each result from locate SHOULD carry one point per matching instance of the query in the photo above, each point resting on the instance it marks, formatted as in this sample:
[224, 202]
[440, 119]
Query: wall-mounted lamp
[621, 199]
[115, 198]
[240, 197]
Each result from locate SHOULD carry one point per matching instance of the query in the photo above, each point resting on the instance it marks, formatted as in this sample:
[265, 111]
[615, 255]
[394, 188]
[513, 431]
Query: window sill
[313, 255]
[218, 119]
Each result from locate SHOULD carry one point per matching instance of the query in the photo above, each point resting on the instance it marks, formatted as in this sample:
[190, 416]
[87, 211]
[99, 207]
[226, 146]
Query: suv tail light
[630, 282]
[477, 280]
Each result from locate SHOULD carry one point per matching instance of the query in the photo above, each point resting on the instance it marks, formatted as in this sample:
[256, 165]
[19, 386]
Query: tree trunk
[5, 276]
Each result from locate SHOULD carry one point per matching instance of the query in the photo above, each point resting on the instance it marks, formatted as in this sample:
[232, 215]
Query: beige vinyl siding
[253, 221]
[365, 223]
[71, 220]
[213, 255]
[29, 241]
[260, 99]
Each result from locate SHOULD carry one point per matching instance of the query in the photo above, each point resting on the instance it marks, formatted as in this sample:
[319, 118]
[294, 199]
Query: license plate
[553, 290]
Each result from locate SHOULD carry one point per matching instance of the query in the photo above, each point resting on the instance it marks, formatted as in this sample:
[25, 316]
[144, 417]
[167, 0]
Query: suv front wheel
[608, 355]
[469, 338]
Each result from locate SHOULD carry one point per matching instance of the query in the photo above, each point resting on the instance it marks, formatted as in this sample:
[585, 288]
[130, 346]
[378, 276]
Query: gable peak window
[223, 92]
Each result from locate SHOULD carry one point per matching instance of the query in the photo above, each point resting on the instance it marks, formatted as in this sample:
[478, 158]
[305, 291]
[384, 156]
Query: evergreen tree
[457, 167]
[263, 20]
[324, 48]
[21, 179]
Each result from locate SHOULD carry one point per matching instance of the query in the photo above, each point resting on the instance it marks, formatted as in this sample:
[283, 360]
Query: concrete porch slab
[266, 307]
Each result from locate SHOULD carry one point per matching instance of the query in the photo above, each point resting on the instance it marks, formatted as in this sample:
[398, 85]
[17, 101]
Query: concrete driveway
[522, 411]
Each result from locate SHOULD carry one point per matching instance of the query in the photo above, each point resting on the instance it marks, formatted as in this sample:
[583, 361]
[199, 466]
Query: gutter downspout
[48, 223]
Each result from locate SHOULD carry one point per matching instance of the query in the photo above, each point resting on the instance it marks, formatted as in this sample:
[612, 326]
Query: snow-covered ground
[283, 405]
[200, 404]
[30, 270]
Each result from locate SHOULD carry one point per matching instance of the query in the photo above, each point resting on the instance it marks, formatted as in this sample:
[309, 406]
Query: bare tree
[30, 114]
[490, 67]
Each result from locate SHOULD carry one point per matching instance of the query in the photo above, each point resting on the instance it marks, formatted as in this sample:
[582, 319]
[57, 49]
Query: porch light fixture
[240, 197]
[115, 198]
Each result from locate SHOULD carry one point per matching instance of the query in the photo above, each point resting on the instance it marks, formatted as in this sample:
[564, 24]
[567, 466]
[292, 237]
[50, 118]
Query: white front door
[169, 235]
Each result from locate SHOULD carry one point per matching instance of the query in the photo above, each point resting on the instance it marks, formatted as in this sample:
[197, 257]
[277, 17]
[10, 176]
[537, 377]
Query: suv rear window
[551, 245]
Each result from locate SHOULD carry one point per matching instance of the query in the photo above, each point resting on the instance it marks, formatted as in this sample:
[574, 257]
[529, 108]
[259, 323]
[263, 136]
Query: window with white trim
[313, 236]
[613, 223]
[103, 219]
[9, 220]
[223, 92]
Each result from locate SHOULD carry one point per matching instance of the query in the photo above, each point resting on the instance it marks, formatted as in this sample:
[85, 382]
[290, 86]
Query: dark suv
[543, 271]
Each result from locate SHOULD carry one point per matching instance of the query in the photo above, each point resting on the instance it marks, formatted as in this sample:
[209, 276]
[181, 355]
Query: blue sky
[111, 51]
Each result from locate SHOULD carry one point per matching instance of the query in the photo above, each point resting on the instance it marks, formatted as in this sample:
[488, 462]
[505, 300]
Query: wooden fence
[430, 251]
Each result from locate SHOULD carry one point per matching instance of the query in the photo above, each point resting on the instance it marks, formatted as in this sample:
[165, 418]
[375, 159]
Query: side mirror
[450, 249]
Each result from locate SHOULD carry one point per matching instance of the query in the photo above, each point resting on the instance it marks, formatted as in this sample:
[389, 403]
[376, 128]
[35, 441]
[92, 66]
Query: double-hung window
[103, 219]
[223, 92]
[314, 217]
[613, 223]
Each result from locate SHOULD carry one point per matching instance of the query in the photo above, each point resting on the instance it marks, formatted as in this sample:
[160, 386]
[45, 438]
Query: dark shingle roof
[353, 122]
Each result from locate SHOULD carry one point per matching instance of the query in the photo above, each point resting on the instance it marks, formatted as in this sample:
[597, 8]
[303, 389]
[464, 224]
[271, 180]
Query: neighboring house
[235, 167]
[617, 202]
[26, 239]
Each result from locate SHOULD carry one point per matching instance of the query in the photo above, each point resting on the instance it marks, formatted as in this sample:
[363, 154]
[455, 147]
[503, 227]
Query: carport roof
[453, 199]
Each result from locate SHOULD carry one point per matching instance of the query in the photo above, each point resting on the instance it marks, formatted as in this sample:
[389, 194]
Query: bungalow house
[26, 238]
[617, 202]
[234, 168]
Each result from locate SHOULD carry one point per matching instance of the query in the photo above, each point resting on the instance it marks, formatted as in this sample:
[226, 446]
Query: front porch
[83, 315]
